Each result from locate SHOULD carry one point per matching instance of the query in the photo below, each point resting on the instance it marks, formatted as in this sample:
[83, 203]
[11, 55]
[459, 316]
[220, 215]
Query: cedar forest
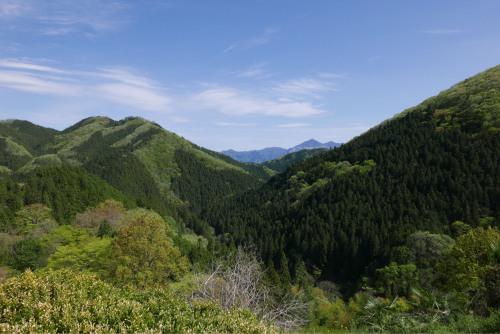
[122, 226]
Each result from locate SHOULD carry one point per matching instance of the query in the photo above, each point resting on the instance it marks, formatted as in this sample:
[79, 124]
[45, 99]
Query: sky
[237, 74]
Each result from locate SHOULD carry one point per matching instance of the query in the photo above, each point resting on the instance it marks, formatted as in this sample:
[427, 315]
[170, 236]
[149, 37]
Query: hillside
[270, 153]
[281, 163]
[351, 210]
[133, 155]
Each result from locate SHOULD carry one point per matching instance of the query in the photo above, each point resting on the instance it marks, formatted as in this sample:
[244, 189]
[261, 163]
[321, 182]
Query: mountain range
[270, 153]
[353, 209]
[343, 215]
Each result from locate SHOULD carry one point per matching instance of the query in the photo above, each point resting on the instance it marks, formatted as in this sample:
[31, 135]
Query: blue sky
[238, 74]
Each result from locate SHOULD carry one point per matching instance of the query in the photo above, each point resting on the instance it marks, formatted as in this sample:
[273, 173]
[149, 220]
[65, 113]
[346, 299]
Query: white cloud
[330, 75]
[441, 31]
[253, 42]
[28, 83]
[124, 86]
[234, 102]
[292, 125]
[66, 16]
[120, 84]
[28, 66]
[304, 86]
[11, 8]
[135, 96]
[253, 71]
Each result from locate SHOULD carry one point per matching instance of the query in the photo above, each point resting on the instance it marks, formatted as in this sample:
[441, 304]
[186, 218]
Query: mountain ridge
[271, 153]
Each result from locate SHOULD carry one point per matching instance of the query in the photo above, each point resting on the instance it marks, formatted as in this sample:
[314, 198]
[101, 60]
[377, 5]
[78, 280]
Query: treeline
[200, 184]
[281, 163]
[65, 190]
[349, 223]
[253, 168]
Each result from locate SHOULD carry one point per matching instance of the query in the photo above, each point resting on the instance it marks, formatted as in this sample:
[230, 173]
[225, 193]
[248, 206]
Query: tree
[89, 255]
[238, 281]
[465, 264]
[144, 254]
[105, 229]
[394, 280]
[32, 215]
[27, 254]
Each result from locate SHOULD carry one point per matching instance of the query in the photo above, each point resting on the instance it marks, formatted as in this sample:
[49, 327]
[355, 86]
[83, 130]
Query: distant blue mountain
[272, 153]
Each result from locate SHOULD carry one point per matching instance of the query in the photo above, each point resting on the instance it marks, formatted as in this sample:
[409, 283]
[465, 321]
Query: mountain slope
[349, 211]
[271, 153]
[134, 155]
[256, 156]
[281, 163]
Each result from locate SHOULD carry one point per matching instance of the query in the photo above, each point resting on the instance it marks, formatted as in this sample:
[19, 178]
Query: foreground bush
[68, 302]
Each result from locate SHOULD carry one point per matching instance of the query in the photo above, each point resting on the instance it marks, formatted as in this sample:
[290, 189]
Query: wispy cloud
[252, 71]
[372, 58]
[118, 85]
[304, 86]
[123, 85]
[235, 102]
[440, 31]
[29, 83]
[13, 63]
[135, 96]
[330, 75]
[63, 17]
[292, 125]
[234, 124]
[12, 8]
[253, 42]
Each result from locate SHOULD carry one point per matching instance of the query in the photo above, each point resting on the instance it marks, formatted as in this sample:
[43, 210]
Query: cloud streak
[252, 42]
[122, 85]
[63, 17]
[234, 102]
[304, 86]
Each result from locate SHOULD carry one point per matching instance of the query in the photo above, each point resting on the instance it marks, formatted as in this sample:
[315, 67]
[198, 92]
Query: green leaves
[144, 254]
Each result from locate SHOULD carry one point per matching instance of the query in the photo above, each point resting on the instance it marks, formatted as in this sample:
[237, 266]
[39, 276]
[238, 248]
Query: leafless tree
[237, 281]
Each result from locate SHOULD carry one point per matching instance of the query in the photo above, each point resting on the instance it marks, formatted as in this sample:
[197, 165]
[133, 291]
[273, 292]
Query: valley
[400, 224]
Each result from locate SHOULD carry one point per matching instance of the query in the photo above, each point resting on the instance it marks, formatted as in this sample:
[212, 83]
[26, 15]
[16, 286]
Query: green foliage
[88, 255]
[200, 184]
[425, 250]
[423, 180]
[257, 156]
[105, 230]
[281, 163]
[65, 301]
[144, 254]
[459, 228]
[27, 253]
[253, 168]
[465, 264]
[394, 280]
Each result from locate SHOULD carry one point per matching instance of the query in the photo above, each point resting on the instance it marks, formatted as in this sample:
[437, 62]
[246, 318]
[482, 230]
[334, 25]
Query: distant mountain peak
[271, 153]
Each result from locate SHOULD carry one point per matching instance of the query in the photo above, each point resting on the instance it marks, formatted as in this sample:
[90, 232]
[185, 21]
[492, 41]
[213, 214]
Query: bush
[65, 301]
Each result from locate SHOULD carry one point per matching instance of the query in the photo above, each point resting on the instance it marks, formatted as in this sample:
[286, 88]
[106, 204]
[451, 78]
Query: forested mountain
[135, 156]
[256, 156]
[271, 153]
[312, 144]
[351, 210]
[281, 163]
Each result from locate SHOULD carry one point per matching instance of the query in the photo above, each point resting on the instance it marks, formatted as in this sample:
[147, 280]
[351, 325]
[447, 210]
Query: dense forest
[394, 231]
